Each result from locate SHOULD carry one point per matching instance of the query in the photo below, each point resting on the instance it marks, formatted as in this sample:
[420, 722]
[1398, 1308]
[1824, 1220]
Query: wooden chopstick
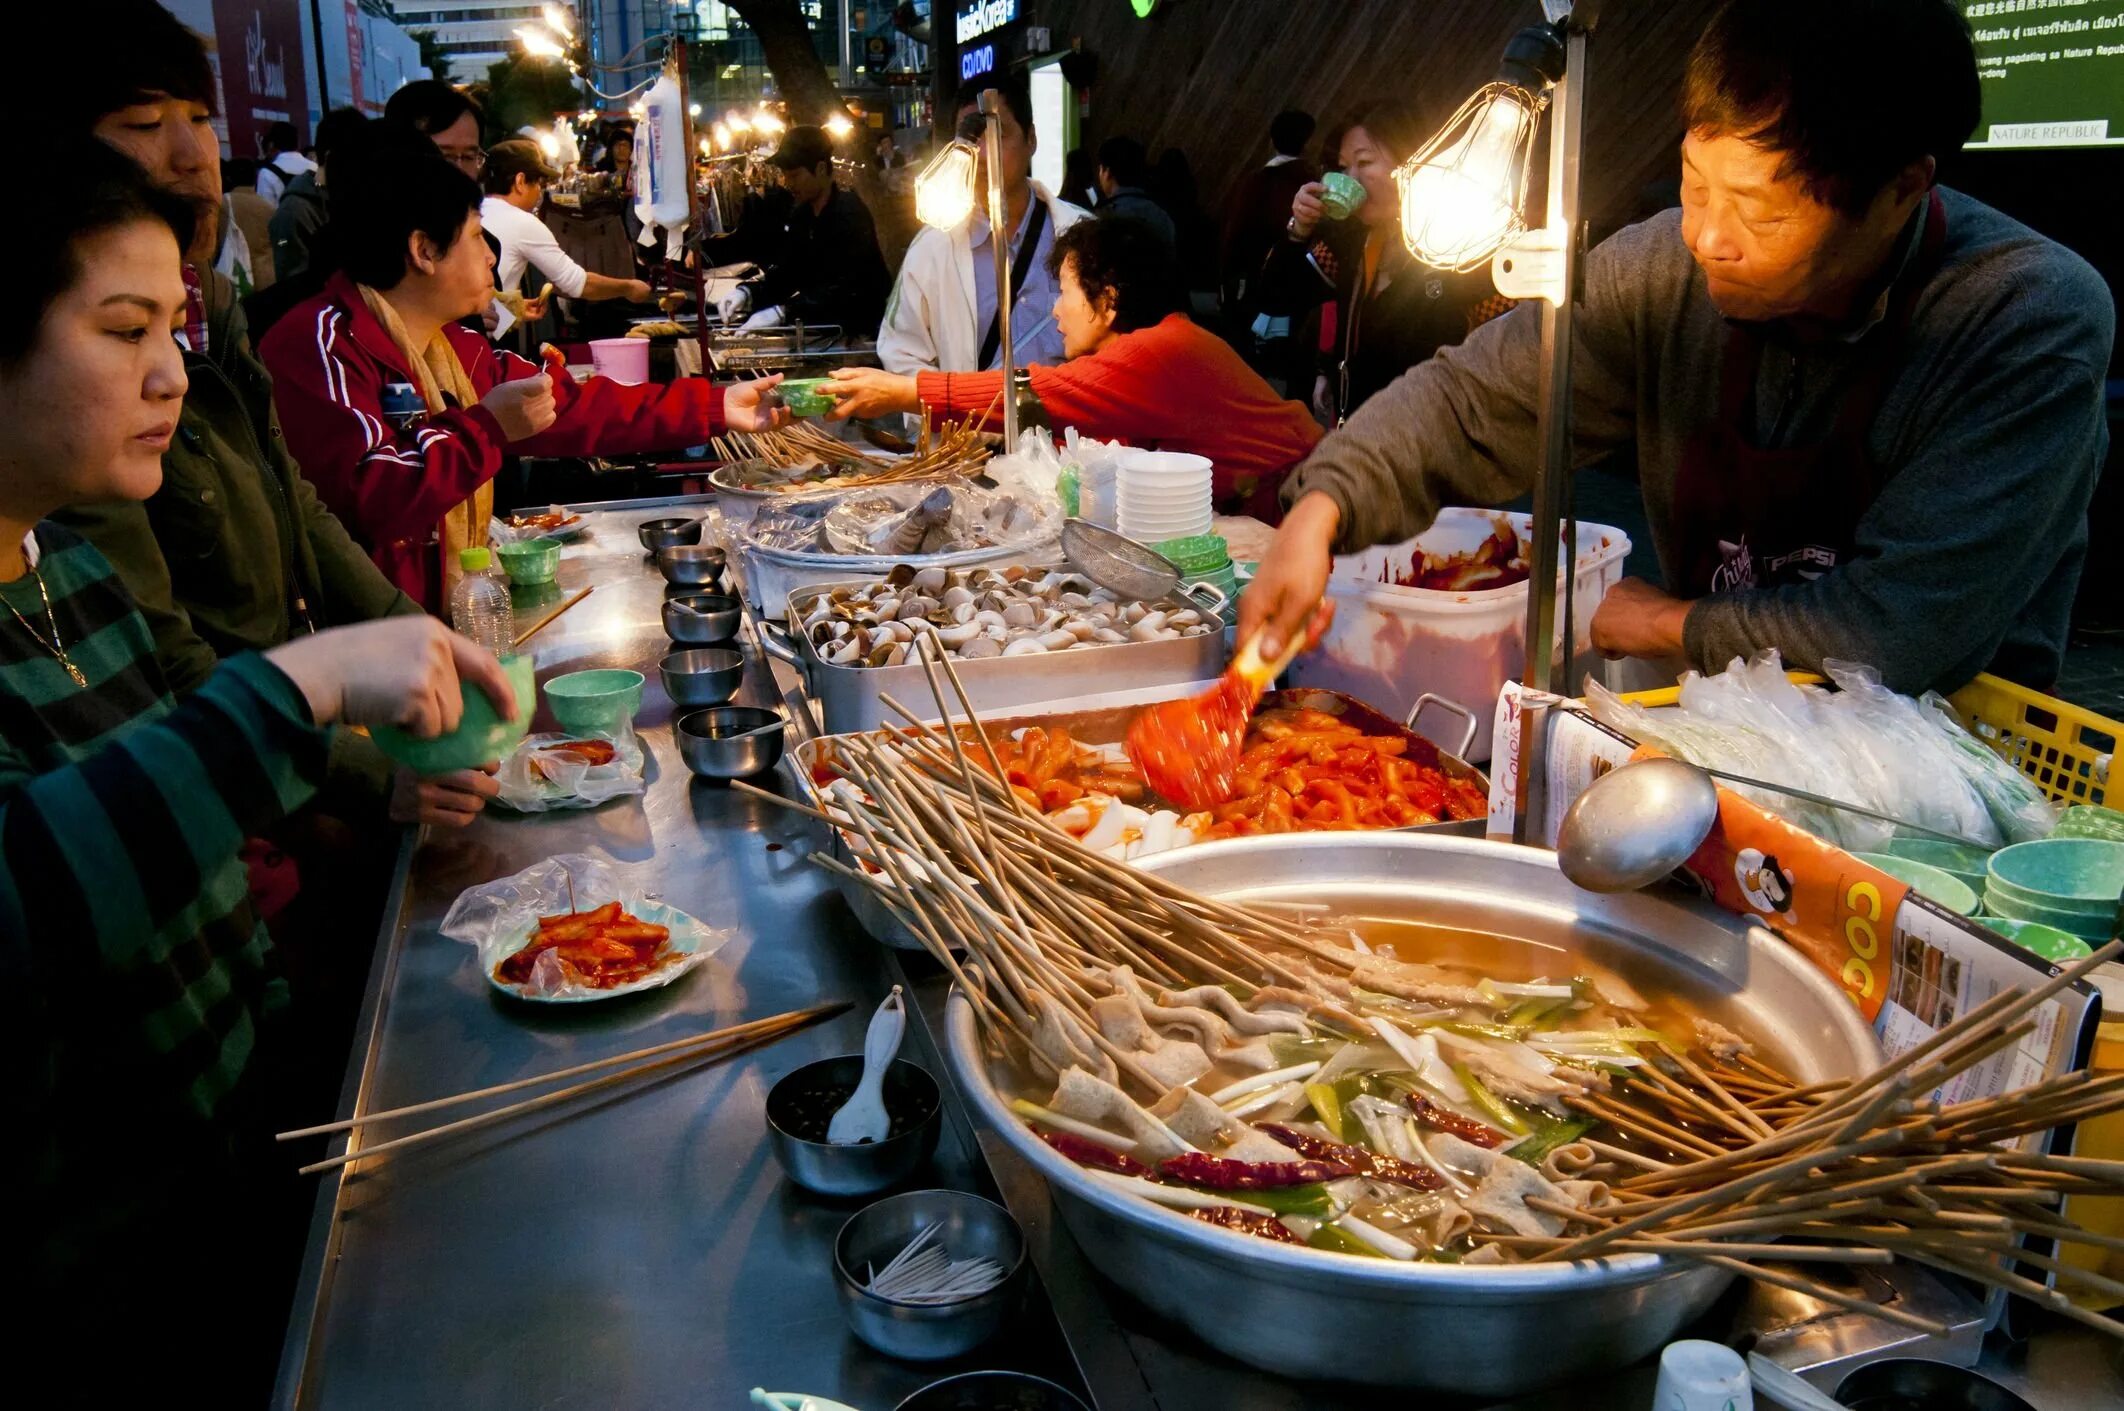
[728, 1047]
[737, 1031]
[525, 635]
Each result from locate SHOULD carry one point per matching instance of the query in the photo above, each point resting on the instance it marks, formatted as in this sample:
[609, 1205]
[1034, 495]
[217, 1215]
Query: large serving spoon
[1634, 825]
[1188, 750]
[863, 1118]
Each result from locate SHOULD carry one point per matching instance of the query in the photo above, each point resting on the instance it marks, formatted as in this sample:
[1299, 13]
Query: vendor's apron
[1753, 518]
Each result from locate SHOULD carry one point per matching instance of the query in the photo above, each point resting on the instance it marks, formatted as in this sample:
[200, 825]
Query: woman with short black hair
[1139, 371]
[401, 417]
[1382, 313]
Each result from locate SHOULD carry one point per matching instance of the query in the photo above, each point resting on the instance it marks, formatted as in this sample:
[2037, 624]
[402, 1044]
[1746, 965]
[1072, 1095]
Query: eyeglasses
[470, 160]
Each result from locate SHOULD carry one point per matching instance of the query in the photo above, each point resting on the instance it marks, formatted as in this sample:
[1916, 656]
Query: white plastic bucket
[1390, 645]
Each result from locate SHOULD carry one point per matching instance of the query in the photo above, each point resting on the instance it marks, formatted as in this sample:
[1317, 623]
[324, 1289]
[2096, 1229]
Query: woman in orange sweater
[1139, 371]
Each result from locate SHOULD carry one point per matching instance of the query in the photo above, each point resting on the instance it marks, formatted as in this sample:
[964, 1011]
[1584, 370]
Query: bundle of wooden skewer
[1754, 1172]
[1879, 1166]
[956, 448]
[657, 1061]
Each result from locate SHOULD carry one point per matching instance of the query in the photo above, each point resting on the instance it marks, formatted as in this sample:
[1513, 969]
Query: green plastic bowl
[2086, 927]
[530, 561]
[2057, 947]
[595, 702]
[481, 736]
[803, 397]
[1958, 860]
[2084, 875]
[2091, 820]
[1197, 555]
[1927, 881]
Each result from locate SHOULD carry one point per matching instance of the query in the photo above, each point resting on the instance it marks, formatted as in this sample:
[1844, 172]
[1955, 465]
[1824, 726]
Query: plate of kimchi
[578, 928]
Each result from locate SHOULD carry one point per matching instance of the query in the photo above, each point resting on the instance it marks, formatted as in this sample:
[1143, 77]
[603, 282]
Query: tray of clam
[1018, 635]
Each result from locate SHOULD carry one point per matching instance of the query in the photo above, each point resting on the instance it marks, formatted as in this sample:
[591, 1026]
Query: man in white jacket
[942, 316]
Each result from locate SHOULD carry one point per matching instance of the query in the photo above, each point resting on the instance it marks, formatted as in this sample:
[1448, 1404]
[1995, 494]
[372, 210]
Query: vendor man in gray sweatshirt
[1866, 410]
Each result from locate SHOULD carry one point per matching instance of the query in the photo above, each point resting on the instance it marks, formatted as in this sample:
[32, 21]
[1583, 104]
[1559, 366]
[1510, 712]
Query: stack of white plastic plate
[1163, 495]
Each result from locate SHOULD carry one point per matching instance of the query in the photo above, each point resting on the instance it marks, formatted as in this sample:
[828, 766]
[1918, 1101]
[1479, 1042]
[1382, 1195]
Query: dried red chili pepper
[1217, 1173]
[1361, 1161]
[1086, 1152]
[1247, 1222]
[1466, 1128]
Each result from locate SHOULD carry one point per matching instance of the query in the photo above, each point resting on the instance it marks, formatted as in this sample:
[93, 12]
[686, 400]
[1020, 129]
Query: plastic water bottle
[479, 605]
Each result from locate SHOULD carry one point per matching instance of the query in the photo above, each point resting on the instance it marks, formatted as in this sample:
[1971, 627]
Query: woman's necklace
[55, 646]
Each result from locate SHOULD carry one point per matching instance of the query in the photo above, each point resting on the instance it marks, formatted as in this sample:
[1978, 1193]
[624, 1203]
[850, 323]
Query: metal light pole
[999, 246]
[1553, 518]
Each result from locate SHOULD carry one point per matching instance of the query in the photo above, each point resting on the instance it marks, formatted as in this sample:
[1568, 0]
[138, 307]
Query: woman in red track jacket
[400, 416]
[1138, 372]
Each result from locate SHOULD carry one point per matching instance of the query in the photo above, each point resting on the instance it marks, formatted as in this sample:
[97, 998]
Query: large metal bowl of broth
[1481, 1330]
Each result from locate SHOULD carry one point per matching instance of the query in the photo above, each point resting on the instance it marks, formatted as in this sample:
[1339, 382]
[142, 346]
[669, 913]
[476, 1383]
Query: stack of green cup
[2090, 820]
[2073, 884]
[1203, 558]
[1932, 883]
[1964, 863]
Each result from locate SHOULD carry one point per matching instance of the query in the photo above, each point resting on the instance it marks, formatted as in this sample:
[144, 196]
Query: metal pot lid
[1117, 563]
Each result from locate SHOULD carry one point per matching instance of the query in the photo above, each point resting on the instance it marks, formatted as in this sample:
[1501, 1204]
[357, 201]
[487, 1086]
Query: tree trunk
[811, 92]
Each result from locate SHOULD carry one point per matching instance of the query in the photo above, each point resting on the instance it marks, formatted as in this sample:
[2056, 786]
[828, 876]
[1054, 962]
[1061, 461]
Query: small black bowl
[1912, 1384]
[803, 1102]
[993, 1391]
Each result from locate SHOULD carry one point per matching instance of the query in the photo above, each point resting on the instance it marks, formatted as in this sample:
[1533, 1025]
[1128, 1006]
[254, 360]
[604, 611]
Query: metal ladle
[1634, 825]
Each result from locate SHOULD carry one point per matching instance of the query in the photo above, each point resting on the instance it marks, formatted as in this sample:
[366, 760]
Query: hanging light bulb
[1463, 197]
[558, 20]
[838, 127]
[944, 192]
[721, 133]
[549, 146]
[737, 121]
[1464, 193]
[540, 43]
[767, 122]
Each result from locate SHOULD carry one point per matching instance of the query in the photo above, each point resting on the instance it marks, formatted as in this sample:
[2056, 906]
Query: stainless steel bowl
[715, 743]
[1513, 1328]
[657, 534]
[993, 1391]
[826, 1169]
[968, 1228]
[691, 565]
[700, 619]
[1912, 1384]
[705, 676]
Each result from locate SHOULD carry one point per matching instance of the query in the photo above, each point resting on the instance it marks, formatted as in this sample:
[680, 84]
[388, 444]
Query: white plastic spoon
[862, 1118]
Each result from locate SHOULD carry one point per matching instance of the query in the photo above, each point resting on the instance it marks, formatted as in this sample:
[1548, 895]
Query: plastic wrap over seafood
[909, 520]
[985, 612]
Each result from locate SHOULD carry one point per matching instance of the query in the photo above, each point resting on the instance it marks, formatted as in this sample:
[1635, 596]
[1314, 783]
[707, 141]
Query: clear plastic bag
[1861, 744]
[499, 918]
[535, 779]
[2022, 812]
[903, 521]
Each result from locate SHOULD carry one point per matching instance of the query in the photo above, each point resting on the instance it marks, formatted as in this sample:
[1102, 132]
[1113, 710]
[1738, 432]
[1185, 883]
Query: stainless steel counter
[646, 1252]
[642, 1252]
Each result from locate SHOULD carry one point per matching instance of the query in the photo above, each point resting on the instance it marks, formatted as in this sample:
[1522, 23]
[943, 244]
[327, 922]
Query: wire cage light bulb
[768, 123]
[1464, 195]
[721, 133]
[737, 121]
[945, 191]
[558, 20]
[838, 127]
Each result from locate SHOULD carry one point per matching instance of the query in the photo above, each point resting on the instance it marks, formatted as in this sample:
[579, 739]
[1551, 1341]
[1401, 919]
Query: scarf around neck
[438, 374]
